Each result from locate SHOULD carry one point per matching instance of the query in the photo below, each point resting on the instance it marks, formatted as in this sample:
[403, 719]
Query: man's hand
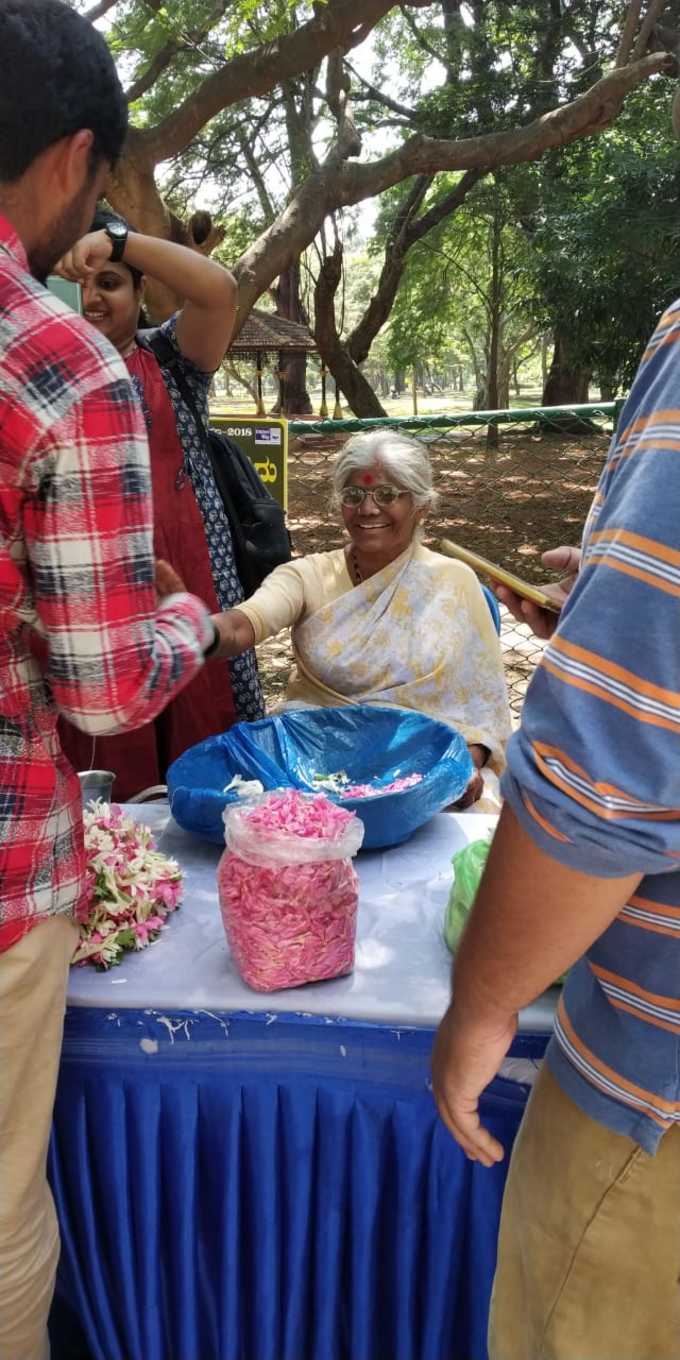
[464, 1060]
[542, 621]
[88, 255]
[167, 582]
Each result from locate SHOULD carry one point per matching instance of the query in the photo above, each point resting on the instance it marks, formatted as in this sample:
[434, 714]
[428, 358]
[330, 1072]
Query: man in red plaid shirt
[81, 632]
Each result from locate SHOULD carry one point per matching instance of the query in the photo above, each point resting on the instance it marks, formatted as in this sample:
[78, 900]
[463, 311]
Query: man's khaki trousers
[33, 975]
[589, 1250]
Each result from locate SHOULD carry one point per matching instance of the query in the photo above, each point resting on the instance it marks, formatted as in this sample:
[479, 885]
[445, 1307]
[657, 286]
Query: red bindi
[368, 479]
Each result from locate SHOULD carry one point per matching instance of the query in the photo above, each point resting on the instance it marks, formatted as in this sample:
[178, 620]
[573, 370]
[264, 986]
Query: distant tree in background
[605, 252]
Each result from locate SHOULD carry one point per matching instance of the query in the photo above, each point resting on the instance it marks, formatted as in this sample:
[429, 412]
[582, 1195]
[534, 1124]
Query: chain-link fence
[508, 501]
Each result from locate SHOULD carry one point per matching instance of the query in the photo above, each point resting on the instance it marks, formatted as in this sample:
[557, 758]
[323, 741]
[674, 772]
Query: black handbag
[258, 525]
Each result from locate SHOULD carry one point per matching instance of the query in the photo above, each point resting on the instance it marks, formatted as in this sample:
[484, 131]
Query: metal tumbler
[96, 784]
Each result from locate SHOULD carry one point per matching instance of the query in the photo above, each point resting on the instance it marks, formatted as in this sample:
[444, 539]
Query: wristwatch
[117, 233]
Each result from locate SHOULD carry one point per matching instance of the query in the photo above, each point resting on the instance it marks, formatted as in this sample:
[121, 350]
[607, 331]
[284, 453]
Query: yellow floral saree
[417, 635]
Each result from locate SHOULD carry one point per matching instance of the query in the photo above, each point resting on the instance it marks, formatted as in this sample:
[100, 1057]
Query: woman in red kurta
[191, 531]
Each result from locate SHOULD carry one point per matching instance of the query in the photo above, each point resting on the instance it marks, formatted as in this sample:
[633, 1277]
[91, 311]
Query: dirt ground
[507, 504]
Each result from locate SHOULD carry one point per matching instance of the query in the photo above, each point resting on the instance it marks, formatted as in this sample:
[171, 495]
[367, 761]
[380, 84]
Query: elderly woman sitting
[383, 620]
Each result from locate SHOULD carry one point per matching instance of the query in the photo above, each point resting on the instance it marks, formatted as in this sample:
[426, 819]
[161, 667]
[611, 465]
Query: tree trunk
[503, 389]
[608, 388]
[495, 343]
[545, 345]
[362, 398]
[356, 387]
[567, 381]
[295, 399]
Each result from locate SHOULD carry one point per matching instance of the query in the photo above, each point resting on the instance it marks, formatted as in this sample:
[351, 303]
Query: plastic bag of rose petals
[288, 891]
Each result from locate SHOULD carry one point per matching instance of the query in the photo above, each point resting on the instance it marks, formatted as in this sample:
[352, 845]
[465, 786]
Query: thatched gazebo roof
[264, 333]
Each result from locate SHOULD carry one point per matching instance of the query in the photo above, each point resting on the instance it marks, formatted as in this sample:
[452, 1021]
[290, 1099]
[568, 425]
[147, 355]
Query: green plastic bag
[468, 867]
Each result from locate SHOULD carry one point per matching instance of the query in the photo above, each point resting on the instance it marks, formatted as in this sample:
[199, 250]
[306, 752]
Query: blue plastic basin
[285, 751]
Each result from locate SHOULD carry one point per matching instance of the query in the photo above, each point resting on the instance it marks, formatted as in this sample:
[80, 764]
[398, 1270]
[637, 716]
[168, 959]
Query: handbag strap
[167, 356]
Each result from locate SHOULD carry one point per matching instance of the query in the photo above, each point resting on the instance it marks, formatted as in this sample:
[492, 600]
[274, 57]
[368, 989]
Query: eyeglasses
[382, 495]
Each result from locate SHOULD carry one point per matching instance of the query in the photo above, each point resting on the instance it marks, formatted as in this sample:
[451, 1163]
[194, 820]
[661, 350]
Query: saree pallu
[417, 635]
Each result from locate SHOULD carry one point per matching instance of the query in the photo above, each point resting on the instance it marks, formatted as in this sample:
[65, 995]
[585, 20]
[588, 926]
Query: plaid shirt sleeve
[113, 658]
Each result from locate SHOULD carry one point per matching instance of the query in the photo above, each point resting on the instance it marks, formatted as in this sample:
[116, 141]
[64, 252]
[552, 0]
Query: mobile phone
[70, 293]
[506, 578]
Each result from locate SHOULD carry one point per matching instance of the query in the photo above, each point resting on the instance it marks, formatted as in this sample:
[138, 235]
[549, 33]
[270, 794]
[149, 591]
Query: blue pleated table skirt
[237, 1186]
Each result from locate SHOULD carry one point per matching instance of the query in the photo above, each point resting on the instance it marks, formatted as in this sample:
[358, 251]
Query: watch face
[117, 233]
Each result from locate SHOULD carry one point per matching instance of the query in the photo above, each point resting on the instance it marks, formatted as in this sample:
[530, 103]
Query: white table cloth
[402, 967]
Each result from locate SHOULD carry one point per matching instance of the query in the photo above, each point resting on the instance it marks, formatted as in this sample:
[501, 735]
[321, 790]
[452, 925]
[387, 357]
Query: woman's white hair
[406, 461]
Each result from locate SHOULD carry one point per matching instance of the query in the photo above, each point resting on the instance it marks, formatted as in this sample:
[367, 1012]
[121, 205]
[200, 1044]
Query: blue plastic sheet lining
[269, 1187]
[369, 743]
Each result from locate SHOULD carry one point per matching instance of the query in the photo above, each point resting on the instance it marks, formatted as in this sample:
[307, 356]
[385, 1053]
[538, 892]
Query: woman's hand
[543, 622]
[475, 787]
[236, 633]
[90, 253]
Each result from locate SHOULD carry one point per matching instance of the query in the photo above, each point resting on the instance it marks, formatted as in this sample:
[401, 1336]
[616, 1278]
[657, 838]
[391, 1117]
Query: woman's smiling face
[379, 530]
[111, 303]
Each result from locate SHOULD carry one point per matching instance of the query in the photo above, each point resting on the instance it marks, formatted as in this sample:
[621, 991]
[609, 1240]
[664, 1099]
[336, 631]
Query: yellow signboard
[265, 443]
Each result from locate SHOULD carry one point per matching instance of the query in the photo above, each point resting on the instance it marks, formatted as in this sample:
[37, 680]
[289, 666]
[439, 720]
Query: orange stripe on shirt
[640, 446]
[633, 990]
[644, 904]
[671, 1003]
[660, 908]
[616, 672]
[665, 323]
[651, 718]
[543, 821]
[543, 753]
[670, 1026]
[650, 546]
[670, 337]
[647, 577]
[647, 422]
[627, 1090]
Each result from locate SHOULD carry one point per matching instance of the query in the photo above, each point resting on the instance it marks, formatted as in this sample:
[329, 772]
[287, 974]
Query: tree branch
[421, 41]
[348, 140]
[446, 205]
[341, 186]
[165, 54]
[584, 116]
[628, 32]
[98, 11]
[408, 229]
[654, 11]
[256, 175]
[155, 68]
[335, 25]
[334, 353]
[372, 92]
[233, 372]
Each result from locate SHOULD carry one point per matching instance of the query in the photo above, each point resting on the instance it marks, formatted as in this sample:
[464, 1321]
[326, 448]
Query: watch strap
[118, 241]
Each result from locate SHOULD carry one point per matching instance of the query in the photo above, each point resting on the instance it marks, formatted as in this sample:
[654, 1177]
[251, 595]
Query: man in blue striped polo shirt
[585, 871]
